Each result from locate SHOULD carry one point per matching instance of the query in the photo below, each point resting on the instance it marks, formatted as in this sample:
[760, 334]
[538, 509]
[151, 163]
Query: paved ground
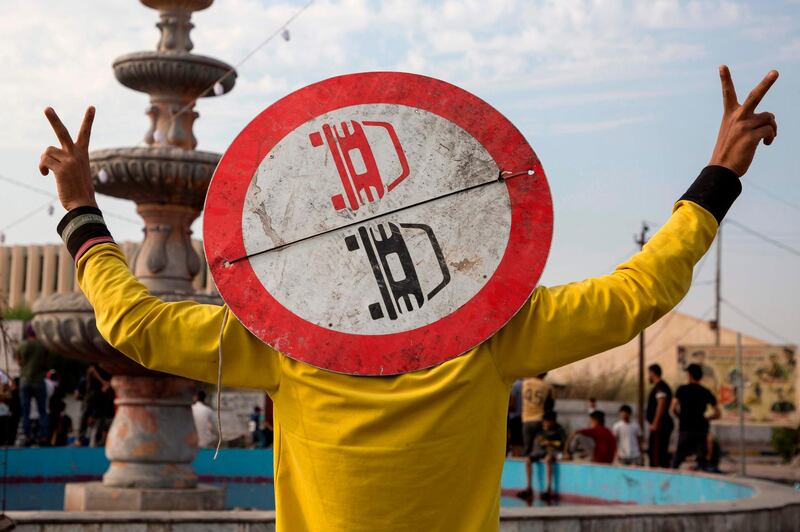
[767, 468]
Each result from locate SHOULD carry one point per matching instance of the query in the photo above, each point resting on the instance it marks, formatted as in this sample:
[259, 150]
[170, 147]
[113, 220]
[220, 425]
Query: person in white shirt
[629, 438]
[204, 421]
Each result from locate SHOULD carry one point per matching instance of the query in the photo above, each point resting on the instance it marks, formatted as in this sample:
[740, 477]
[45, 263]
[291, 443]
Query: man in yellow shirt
[537, 398]
[423, 450]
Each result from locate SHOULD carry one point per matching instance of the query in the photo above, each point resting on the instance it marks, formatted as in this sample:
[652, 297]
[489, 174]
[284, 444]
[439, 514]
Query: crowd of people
[33, 406]
[535, 433]
[35, 402]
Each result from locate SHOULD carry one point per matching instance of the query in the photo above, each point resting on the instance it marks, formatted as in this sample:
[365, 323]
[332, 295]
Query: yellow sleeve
[562, 324]
[179, 338]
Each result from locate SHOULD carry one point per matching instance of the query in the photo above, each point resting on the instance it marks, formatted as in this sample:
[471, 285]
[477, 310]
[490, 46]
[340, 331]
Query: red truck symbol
[360, 176]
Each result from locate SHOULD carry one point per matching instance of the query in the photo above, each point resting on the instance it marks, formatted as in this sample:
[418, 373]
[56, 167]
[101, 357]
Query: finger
[759, 119]
[729, 101]
[59, 128]
[769, 140]
[47, 163]
[755, 96]
[86, 128]
[764, 133]
[55, 153]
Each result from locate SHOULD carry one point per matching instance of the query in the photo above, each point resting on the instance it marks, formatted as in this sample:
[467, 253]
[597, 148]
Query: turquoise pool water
[580, 483]
[36, 478]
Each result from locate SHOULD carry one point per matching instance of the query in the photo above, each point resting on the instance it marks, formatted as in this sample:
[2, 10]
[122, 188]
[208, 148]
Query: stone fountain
[152, 440]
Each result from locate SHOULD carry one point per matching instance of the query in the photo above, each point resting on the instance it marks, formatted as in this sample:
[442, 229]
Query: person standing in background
[6, 391]
[204, 422]
[690, 404]
[629, 438]
[514, 441]
[34, 360]
[658, 418]
[537, 398]
[99, 405]
[256, 425]
[16, 412]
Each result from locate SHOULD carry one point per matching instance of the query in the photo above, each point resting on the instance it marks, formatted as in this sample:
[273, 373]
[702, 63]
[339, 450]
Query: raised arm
[177, 338]
[563, 324]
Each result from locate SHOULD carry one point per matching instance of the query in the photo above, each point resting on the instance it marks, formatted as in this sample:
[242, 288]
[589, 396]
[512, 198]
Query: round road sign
[377, 223]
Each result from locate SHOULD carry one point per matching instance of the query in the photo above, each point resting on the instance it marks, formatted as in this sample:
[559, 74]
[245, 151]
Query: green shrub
[21, 312]
[786, 442]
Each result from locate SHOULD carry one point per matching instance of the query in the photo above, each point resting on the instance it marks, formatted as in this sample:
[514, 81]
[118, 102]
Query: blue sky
[619, 99]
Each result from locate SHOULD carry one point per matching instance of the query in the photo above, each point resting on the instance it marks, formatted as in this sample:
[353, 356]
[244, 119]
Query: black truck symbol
[389, 246]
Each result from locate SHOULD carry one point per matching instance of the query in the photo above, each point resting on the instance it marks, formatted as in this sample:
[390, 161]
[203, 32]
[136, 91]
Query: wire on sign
[502, 178]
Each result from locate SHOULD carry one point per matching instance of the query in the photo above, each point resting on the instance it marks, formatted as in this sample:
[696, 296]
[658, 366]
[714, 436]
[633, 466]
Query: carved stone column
[167, 261]
[152, 440]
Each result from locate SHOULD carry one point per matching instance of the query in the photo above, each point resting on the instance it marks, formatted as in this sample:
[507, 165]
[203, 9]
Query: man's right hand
[742, 128]
[70, 163]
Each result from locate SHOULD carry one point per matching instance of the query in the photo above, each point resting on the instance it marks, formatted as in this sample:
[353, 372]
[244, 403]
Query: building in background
[613, 374]
[28, 272]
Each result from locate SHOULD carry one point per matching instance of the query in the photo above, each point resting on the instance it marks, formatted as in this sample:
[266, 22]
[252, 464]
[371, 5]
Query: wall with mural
[770, 380]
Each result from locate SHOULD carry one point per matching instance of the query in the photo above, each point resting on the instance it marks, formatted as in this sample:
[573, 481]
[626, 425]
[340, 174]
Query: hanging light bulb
[285, 34]
[158, 136]
[102, 175]
[50, 210]
[219, 90]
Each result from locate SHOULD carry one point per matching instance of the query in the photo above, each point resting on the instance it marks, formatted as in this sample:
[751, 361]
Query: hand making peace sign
[742, 128]
[70, 163]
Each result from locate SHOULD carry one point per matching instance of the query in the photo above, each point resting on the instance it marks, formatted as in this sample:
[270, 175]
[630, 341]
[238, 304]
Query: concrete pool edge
[772, 507]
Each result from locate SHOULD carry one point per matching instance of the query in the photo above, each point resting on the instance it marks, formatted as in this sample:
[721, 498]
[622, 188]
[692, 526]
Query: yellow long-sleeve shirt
[421, 451]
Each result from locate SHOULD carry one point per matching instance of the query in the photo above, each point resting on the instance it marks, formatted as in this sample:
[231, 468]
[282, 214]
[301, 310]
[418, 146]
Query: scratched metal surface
[290, 197]
[390, 285]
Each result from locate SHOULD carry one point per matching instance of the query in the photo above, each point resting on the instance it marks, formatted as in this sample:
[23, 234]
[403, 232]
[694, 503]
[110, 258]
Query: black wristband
[82, 228]
[715, 189]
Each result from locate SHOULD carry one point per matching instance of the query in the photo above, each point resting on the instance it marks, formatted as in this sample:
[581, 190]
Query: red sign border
[388, 354]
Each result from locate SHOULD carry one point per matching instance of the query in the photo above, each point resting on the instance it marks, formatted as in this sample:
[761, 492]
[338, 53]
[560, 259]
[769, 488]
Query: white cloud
[64, 58]
[674, 14]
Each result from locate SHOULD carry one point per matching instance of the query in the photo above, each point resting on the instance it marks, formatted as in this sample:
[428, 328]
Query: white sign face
[404, 267]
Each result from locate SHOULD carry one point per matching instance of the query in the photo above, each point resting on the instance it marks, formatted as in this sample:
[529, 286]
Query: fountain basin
[154, 174]
[173, 73]
[622, 498]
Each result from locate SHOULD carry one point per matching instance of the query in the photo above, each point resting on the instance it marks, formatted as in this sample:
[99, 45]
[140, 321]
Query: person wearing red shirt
[604, 446]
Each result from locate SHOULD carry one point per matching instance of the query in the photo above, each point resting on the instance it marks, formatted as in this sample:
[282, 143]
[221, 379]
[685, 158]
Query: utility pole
[718, 288]
[740, 404]
[641, 239]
